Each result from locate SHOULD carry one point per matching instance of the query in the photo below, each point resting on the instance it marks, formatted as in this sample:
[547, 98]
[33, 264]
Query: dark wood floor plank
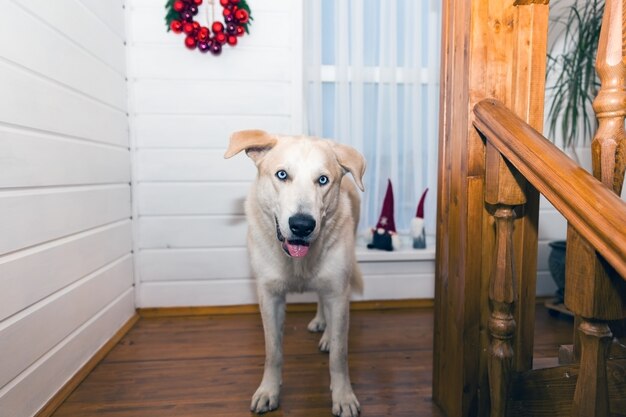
[210, 366]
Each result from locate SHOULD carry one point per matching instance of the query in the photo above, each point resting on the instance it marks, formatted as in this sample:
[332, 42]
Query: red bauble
[196, 26]
[242, 15]
[188, 28]
[232, 40]
[190, 42]
[220, 37]
[224, 3]
[176, 26]
[227, 12]
[240, 31]
[197, 2]
[217, 27]
[203, 34]
[234, 1]
[179, 6]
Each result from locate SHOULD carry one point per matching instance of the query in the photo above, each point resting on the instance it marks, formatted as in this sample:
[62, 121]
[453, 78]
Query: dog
[302, 216]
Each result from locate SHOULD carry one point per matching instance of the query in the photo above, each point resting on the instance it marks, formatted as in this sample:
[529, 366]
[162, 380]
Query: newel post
[489, 49]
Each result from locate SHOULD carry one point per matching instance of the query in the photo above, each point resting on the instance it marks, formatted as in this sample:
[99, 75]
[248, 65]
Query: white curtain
[372, 81]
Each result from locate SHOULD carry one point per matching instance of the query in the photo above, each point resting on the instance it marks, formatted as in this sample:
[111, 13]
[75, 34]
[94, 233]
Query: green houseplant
[572, 82]
[572, 85]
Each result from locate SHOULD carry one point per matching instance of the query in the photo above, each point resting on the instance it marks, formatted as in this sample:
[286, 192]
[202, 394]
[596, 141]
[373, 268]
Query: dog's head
[299, 181]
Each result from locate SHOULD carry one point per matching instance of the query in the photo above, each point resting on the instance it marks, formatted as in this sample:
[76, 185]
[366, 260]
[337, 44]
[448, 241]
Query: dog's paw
[345, 404]
[317, 325]
[324, 343]
[264, 399]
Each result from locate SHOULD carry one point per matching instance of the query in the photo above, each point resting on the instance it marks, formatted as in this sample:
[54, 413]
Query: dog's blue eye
[281, 175]
[323, 180]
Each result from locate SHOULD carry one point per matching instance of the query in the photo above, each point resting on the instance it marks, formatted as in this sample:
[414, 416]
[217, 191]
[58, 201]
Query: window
[372, 81]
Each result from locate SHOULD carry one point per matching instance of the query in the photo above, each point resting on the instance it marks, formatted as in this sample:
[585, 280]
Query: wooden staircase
[494, 162]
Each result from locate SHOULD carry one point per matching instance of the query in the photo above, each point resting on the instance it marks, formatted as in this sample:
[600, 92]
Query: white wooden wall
[184, 106]
[66, 268]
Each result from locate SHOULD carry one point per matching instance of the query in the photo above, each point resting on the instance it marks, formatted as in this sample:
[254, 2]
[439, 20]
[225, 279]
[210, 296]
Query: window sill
[405, 253]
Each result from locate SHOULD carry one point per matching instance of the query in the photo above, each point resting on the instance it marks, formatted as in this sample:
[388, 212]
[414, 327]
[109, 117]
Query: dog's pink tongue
[297, 251]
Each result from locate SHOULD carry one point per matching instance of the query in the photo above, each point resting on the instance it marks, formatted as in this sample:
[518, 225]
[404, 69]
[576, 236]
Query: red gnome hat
[420, 206]
[417, 225]
[386, 220]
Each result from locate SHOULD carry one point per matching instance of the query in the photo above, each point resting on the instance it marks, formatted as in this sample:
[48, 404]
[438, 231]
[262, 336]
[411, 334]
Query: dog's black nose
[301, 224]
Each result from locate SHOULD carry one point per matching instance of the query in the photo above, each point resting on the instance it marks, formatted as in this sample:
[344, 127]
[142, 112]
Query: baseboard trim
[543, 298]
[51, 406]
[293, 307]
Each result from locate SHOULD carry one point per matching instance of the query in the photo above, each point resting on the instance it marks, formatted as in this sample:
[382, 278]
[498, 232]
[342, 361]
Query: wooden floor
[210, 366]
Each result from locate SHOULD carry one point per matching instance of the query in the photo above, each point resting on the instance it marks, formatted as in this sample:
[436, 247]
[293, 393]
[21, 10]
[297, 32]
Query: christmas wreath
[180, 19]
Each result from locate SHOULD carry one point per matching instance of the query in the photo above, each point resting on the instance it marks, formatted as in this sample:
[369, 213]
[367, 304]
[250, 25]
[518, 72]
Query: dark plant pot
[556, 263]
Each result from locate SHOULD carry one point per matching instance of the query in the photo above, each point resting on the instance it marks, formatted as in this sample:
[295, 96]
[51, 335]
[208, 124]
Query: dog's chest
[301, 277]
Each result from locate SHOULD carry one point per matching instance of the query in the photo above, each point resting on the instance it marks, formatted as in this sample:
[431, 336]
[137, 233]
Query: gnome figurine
[384, 235]
[418, 232]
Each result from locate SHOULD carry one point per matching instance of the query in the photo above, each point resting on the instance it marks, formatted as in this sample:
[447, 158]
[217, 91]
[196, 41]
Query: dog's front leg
[266, 397]
[345, 403]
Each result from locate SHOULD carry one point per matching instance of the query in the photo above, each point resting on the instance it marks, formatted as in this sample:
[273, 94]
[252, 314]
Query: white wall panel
[194, 264]
[34, 387]
[34, 102]
[157, 232]
[68, 309]
[378, 287]
[77, 69]
[544, 253]
[545, 284]
[211, 97]
[81, 26]
[199, 131]
[193, 165]
[38, 216]
[109, 12]
[192, 198]
[31, 275]
[163, 62]
[197, 293]
[58, 161]
[422, 267]
[552, 225]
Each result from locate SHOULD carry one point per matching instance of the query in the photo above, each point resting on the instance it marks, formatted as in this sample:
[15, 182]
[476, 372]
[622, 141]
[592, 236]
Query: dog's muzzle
[295, 248]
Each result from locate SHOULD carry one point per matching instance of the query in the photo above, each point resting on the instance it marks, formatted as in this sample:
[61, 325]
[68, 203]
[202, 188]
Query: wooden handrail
[594, 210]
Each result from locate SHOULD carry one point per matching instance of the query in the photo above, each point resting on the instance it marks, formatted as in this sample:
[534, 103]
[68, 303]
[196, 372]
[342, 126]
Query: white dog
[302, 217]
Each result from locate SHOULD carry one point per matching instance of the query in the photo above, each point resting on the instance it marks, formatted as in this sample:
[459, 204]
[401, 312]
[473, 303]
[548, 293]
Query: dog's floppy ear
[255, 142]
[352, 161]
